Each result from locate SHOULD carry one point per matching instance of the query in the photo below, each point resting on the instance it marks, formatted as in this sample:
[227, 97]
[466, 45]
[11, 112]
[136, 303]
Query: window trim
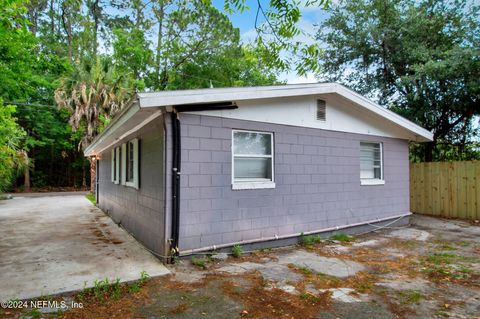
[116, 165]
[253, 183]
[373, 181]
[113, 164]
[134, 183]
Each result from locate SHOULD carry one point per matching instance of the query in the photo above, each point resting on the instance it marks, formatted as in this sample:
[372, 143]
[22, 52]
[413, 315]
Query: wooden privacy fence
[446, 189]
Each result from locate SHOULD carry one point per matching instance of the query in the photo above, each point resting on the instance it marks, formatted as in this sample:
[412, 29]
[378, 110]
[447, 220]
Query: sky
[245, 21]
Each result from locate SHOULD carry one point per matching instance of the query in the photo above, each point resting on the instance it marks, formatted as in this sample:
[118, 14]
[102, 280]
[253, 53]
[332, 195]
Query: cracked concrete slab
[343, 294]
[410, 234]
[54, 244]
[320, 264]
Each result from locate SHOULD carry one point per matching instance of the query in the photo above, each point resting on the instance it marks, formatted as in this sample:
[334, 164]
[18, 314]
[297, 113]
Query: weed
[116, 289]
[308, 297]
[237, 251]
[343, 237]
[463, 244]
[465, 270]
[306, 270]
[410, 296]
[309, 240]
[91, 198]
[144, 277]
[134, 288]
[200, 262]
[34, 313]
[446, 246]
[441, 258]
[364, 286]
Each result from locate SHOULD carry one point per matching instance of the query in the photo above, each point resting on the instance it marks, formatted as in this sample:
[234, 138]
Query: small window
[371, 163]
[321, 110]
[116, 155]
[130, 163]
[113, 165]
[252, 165]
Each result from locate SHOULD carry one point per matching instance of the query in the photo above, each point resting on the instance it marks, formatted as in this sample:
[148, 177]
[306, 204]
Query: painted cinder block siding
[141, 211]
[317, 176]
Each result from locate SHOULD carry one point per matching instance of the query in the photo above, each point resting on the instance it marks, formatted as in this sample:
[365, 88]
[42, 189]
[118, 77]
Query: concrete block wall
[142, 211]
[317, 176]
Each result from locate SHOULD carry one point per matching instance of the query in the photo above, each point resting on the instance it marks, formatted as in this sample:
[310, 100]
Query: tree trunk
[26, 183]
[93, 173]
[428, 153]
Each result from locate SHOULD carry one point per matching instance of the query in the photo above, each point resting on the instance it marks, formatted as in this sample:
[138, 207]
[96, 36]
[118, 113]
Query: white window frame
[116, 165]
[113, 164]
[253, 183]
[134, 182]
[374, 181]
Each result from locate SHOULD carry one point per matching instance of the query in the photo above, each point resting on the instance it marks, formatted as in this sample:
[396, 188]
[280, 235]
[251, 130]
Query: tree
[11, 135]
[92, 95]
[420, 58]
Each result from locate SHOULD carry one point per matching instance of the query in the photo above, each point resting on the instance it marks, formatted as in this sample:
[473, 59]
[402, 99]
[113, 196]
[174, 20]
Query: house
[197, 170]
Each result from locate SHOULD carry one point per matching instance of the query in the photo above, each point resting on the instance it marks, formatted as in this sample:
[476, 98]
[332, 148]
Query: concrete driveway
[54, 244]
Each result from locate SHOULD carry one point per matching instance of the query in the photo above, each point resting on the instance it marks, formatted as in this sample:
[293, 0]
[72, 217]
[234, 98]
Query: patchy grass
[309, 240]
[446, 247]
[410, 296]
[201, 262]
[344, 238]
[91, 198]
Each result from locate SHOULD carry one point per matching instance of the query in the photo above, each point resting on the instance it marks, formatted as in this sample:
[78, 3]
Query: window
[116, 155]
[113, 165]
[321, 110]
[130, 165]
[252, 160]
[371, 163]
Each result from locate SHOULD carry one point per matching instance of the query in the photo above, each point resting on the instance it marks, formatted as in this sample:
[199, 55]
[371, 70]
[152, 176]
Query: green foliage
[309, 240]
[343, 237]
[237, 251]
[278, 24]
[420, 58]
[11, 136]
[200, 262]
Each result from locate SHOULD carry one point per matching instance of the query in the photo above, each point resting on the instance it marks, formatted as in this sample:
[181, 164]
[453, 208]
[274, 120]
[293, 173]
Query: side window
[131, 165]
[371, 163]
[116, 165]
[252, 160]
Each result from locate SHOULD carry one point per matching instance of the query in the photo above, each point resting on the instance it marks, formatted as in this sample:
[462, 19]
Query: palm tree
[93, 94]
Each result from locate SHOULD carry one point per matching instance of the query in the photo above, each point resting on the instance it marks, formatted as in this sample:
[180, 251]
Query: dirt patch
[262, 302]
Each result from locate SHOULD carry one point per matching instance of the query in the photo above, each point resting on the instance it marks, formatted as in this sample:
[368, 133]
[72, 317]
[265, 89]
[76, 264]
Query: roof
[145, 107]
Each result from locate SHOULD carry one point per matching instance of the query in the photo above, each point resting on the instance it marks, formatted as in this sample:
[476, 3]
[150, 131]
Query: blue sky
[246, 23]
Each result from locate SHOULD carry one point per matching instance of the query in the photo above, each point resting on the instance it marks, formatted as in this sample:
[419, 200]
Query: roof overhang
[144, 107]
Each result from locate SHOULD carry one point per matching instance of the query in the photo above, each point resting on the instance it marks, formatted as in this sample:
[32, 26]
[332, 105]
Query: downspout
[176, 161]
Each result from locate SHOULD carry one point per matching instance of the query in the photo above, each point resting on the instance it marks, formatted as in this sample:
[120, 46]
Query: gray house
[196, 170]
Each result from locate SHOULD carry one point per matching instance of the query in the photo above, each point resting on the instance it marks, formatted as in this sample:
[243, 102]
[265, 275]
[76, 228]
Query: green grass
[441, 258]
[200, 262]
[343, 238]
[309, 240]
[91, 198]
[306, 270]
[410, 296]
[237, 251]
[446, 246]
